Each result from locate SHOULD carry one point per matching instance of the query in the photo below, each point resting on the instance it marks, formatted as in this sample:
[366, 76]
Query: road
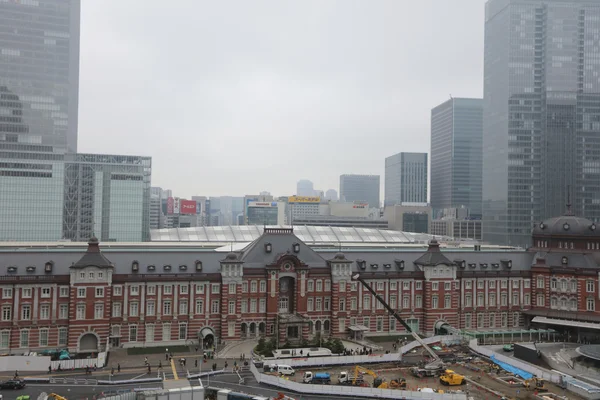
[72, 392]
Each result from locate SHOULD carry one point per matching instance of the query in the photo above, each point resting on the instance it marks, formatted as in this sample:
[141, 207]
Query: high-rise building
[47, 191]
[456, 135]
[106, 196]
[39, 74]
[39, 85]
[305, 187]
[541, 114]
[361, 188]
[156, 214]
[405, 178]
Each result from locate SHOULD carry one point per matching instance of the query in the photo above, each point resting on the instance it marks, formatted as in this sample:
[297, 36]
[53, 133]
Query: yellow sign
[304, 199]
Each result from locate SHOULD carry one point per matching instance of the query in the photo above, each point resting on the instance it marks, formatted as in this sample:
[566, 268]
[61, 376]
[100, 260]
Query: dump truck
[451, 378]
[319, 378]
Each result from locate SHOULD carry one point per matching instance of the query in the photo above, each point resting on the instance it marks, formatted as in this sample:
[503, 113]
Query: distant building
[457, 228]
[305, 187]
[303, 206]
[456, 155]
[247, 200]
[332, 220]
[405, 178]
[363, 188]
[156, 214]
[331, 194]
[265, 213]
[409, 217]
[107, 196]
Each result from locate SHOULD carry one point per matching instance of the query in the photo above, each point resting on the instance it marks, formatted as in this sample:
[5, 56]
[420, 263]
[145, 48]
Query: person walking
[118, 367]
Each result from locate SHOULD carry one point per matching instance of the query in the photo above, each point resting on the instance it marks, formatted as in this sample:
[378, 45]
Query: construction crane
[429, 369]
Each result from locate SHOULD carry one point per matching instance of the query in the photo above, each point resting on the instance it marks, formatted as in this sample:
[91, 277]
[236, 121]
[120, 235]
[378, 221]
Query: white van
[285, 370]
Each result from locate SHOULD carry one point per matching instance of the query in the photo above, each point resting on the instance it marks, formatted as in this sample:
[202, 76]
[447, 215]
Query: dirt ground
[389, 372]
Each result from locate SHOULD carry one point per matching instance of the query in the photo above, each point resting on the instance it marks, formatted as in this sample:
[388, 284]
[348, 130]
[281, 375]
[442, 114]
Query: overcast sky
[237, 97]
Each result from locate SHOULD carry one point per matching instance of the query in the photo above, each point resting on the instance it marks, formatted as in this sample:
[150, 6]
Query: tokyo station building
[161, 294]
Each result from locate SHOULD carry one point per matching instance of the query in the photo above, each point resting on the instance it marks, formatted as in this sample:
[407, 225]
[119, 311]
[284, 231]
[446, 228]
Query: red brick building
[165, 294]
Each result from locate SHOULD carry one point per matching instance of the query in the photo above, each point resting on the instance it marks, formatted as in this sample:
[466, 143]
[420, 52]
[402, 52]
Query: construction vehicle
[535, 383]
[358, 378]
[434, 367]
[451, 378]
[55, 396]
[394, 384]
[319, 378]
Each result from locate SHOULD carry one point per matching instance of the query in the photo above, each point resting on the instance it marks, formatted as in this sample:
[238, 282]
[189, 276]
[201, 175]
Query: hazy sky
[236, 97]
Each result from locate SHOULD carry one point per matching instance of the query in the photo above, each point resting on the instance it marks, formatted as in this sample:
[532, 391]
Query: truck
[358, 378]
[433, 368]
[319, 378]
[451, 378]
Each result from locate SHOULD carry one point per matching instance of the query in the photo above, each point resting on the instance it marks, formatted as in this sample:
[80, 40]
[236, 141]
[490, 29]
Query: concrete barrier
[129, 382]
[24, 363]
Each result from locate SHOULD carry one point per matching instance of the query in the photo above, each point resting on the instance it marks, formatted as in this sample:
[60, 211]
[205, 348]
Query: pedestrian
[112, 371]
[118, 367]
[49, 369]
[17, 374]
[166, 356]
[145, 360]
[149, 369]
[196, 349]
[196, 362]
[159, 364]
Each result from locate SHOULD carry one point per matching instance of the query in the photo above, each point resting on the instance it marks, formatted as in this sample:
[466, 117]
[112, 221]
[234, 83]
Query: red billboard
[170, 205]
[187, 206]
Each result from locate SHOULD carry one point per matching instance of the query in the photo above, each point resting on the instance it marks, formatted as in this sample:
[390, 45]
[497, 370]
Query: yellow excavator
[535, 383]
[394, 384]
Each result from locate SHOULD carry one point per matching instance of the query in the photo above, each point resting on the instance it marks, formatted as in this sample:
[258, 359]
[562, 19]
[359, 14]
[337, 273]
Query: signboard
[170, 206]
[262, 204]
[360, 206]
[176, 206]
[304, 199]
[188, 206]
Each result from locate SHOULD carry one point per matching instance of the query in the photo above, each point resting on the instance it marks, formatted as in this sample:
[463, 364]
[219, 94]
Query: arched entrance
[244, 330]
[88, 342]
[262, 329]
[207, 335]
[252, 329]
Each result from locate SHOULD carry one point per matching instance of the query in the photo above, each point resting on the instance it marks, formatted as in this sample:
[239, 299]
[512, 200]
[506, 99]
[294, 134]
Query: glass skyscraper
[39, 85]
[405, 179]
[456, 136]
[541, 114]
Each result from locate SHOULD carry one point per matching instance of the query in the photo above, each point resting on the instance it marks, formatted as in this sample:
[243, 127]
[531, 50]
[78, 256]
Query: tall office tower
[360, 188]
[305, 187]
[456, 136]
[541, 131]
[156, 213]
[405, 178]
[107, 196]
[39, 85]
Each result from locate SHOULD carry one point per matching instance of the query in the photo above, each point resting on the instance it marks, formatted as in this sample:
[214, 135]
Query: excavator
[535, 383]
[431, 369]
[55, 396]
[394, 384]
[357, 380]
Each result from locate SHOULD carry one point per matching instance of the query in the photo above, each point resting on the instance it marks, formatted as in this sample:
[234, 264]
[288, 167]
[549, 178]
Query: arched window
[326, 326]
[318, 326]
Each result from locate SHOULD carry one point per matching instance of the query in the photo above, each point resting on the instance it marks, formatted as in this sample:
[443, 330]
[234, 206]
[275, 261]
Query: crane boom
[395, 314]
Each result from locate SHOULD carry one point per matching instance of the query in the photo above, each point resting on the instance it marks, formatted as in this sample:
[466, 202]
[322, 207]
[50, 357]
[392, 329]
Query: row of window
[590, 285]
[151, 330]
[26, 312]
[27, 293]
[167, 308]
[492, 300]
[491, 320]
[43, 338]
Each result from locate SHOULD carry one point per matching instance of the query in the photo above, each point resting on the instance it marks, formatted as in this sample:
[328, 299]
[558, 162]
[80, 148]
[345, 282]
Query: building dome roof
[567, 225]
